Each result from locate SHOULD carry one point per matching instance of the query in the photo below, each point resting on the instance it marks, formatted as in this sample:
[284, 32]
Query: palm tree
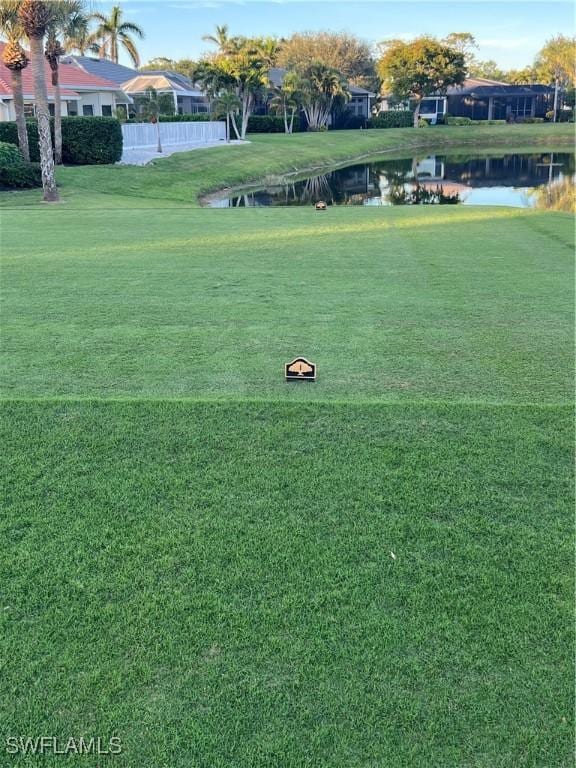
[220, 38]
[67, 19]
[321, 87]
[15, 59]
[82, 41]
[35, 18]
[113, 32]
[286, 99]
[150, 108]
[228, 104]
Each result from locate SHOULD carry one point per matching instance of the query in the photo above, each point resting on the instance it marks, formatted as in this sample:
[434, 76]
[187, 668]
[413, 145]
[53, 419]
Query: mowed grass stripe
[453, 304]
[296, 585]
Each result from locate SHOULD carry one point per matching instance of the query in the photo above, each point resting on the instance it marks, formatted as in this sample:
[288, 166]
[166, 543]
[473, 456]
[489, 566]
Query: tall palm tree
[220, 38]
[227, 105]
[113, 33]
[67, 18]
[15, 59]
[35, 18]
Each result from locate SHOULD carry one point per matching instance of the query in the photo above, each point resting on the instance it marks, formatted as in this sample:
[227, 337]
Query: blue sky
[509, 32]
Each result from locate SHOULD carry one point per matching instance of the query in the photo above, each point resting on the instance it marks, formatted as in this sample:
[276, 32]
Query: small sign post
[300, 369]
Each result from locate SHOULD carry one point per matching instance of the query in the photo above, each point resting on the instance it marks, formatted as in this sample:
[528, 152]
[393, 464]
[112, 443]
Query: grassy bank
[183, 177]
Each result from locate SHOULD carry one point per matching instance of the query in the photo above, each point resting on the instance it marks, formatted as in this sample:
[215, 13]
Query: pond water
[520, 180]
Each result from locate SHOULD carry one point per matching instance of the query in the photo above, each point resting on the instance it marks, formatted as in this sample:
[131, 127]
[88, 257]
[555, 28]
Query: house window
[521, 106]
[51, 109]
[29, 110]
[106, 110]
[72, 109]
[87, 110]
[428, 106]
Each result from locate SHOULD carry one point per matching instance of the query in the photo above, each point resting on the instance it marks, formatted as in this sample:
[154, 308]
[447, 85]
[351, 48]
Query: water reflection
[521, 180]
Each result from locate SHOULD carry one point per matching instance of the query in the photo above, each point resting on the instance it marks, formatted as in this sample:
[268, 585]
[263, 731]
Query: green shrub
[270, 124]
[14, 172]
[423, 123]
[451, 120]
[22, 176]
[9, 155]
[530, 120]
[200, 117]
[85, 140]
[91, 140]
[392, 118]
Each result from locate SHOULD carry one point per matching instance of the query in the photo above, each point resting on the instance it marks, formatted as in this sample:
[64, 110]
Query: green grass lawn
[222, 569]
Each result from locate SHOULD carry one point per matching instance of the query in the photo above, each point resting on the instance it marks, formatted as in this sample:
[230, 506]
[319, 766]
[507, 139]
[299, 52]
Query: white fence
[139, 135]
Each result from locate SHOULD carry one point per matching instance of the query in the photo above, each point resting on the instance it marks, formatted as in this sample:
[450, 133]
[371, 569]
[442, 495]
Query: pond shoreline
[504, 176]
[399, 152]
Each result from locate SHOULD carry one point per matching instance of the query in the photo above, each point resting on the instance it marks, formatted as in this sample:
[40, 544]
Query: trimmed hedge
[85, 140]
[452, 120]
[270, 124]
[199, 117]
[392, 118]
[529, 119]
[14, 172]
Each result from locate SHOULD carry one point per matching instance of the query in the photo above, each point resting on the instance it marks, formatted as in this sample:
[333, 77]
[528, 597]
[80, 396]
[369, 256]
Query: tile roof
[72, 79]
[116, 73]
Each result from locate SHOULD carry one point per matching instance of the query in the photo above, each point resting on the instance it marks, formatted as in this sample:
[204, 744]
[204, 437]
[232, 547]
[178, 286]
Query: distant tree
[339, 50]
[35, 18]
[287, 99]
[487, 69]
[420, 68]
[15, 59]
[320, 88]
[556, 64]
[220, 38]
[114, 33]
[465, 43]
[150, 108]
[160, 62]
[83, 41]
[241, 65]
[523, 76]
[227, 105]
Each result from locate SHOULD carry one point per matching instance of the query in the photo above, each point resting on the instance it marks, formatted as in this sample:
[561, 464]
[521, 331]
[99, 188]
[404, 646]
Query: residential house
[188, 99]
[82, 93]
[482, 99]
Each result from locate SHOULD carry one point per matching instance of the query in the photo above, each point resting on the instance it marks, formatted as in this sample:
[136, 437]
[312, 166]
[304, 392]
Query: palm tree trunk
[20, 117]
[228, 127]
[417, 114]
[43, 116]
[159, 148]
[236, 131]
[556, 89]
[57, 117]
